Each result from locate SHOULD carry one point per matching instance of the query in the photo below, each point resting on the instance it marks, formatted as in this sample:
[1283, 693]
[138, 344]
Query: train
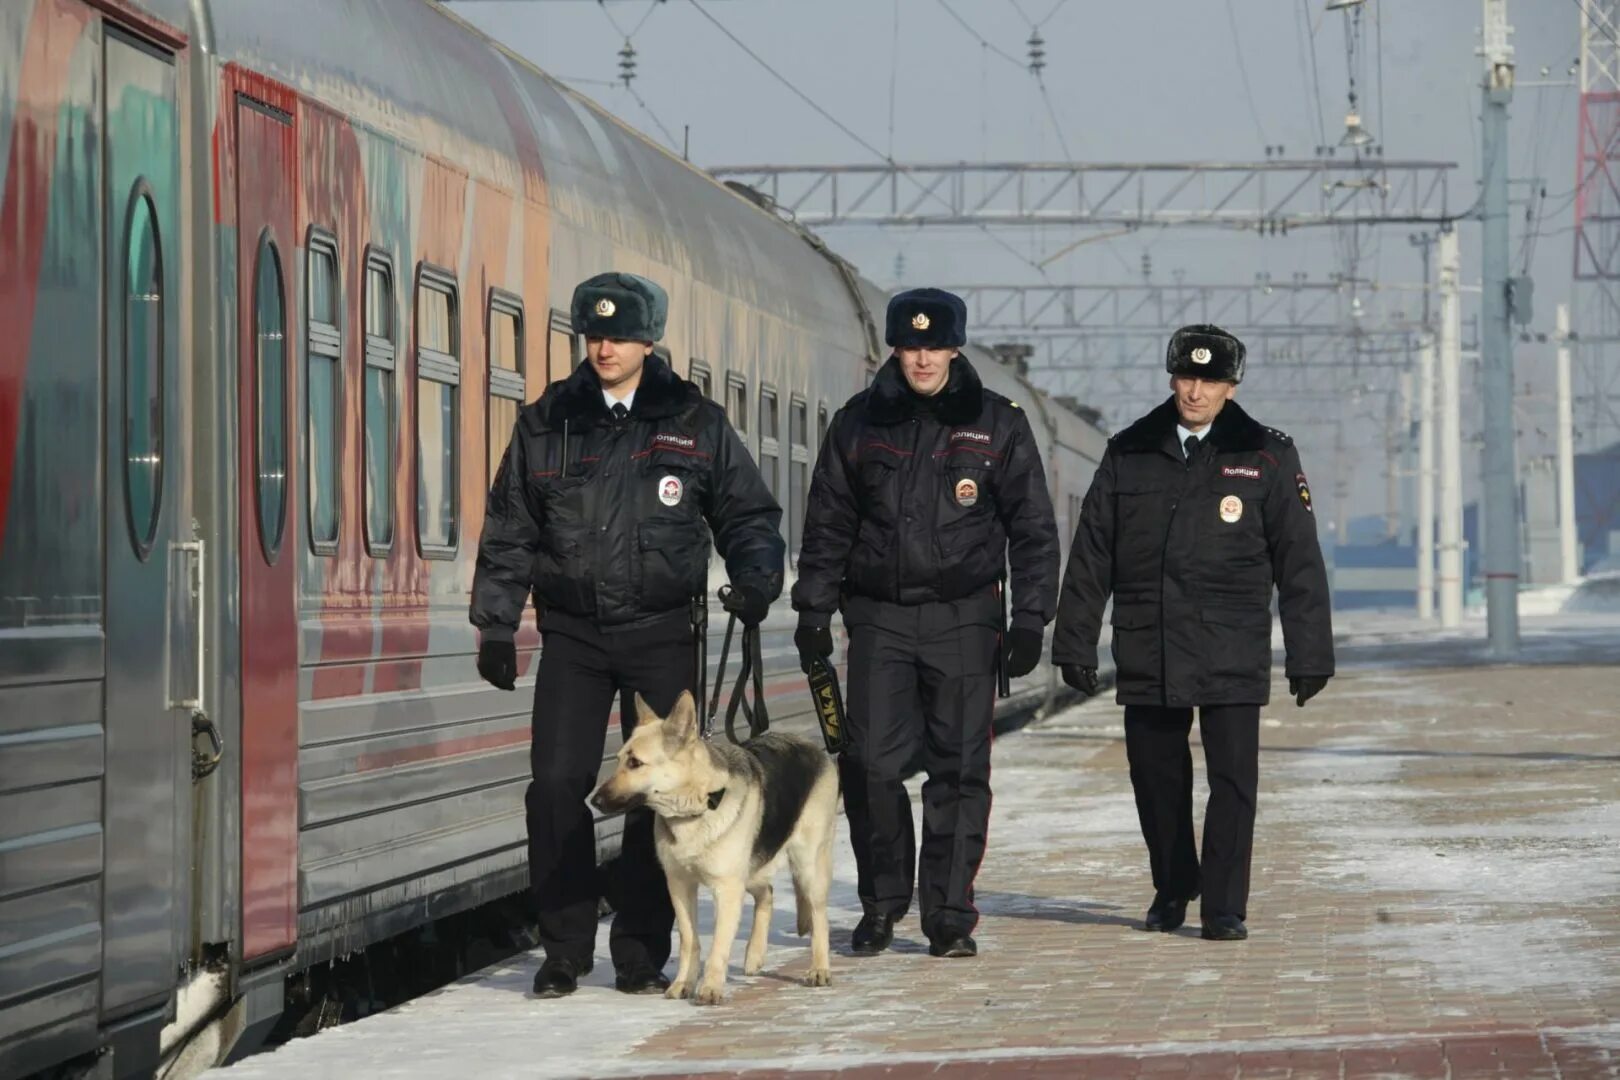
[274, 281]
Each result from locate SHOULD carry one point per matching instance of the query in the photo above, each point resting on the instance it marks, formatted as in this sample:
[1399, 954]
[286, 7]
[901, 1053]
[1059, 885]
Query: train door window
[270, 378]
[323, 359]
[143, 371]
[506, 384]
[703, 378]
[438, 385]
[562, 349]
[381, 415]
[798, 470]
[769, 445]
[737, 403]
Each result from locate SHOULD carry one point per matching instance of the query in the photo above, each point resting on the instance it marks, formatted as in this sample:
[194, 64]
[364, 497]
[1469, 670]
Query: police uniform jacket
[926, 499]
[610, 520]
[1191, 551]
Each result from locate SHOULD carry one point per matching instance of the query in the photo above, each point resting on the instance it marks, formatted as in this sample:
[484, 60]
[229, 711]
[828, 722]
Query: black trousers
[1162, 777]
[921, 686]
[581, 673]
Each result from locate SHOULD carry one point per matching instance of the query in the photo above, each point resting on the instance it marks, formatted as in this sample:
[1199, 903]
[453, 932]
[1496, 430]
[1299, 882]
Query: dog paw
[709, 995]
[818, 977]
[752, 966]
[677, 991]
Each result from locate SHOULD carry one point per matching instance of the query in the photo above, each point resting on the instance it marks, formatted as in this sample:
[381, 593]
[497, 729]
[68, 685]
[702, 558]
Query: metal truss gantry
[1272, 308]
[1267, 196]
[1597, 223]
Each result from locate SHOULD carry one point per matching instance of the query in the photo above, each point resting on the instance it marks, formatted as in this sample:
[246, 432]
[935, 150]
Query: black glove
[813, 643]
[1306, 687]
[497, 663]
[1083, 679]
[747, 603]
[1023, 651]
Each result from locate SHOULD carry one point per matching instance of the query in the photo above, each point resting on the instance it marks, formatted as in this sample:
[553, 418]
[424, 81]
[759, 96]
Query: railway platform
[1436, 894]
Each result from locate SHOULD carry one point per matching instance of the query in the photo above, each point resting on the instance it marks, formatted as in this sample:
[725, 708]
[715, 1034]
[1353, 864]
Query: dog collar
[715, 797]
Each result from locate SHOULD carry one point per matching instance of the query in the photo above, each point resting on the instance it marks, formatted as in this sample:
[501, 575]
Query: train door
[266, 160]
[147, 740]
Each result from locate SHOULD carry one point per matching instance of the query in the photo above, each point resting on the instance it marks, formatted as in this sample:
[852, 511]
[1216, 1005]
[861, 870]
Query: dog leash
[752, 668]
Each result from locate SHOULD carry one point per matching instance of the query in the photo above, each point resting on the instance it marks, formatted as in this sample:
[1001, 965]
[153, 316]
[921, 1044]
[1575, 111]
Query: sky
[1145, 80]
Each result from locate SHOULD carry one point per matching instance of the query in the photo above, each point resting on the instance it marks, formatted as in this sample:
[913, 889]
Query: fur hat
[1202, 351]
[926, 319]
[625, 307]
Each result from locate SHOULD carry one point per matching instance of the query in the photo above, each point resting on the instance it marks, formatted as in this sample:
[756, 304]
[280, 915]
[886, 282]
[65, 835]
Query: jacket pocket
[674, 561]
[1138, 651]
[871, 568]
[968, 555]
[1237, 642]
[561, 571]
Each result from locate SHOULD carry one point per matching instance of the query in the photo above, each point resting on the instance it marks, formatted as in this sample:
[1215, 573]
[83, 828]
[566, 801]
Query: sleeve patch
[1304, 491]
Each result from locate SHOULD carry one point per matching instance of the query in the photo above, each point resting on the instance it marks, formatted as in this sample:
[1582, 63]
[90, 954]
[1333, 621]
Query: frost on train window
[438, 383]
[380, 414]
[323, 352]
[270, 378]
[143, 372]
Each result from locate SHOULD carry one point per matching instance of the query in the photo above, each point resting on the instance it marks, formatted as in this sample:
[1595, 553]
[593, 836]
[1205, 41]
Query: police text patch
[1248, 472]
[678, 442]
[969, 435]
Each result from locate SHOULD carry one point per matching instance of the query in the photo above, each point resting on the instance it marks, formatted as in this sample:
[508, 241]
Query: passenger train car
[274, 280]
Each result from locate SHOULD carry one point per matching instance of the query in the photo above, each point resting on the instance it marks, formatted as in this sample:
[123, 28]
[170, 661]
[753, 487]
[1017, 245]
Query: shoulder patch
[1280, 436]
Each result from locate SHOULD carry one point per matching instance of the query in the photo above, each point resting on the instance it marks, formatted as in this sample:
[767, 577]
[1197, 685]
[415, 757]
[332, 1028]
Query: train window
[737, 403]
[769, 449]
[323, 358]
[438, 385]
[143, 371]
[270, 377]
[703, 379]
[379, 402]
[506, 387]
[798, 471]
[563, 348]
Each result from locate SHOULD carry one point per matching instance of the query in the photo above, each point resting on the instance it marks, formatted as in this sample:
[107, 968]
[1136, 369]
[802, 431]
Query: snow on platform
[1436, 873]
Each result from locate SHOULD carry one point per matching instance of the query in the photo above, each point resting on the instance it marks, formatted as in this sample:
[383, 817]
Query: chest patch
[1231, 509]
[1246, 472]
[670, 490]
[971, 435]
[967, 492]
[668, 440]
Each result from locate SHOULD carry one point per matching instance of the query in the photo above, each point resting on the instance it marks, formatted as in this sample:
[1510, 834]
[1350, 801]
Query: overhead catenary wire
[846, 129]
[980, 38]
[670, 139]
[1243, 70]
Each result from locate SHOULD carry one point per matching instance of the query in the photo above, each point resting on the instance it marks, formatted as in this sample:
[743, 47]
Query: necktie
[1190, 445]
[619, 411]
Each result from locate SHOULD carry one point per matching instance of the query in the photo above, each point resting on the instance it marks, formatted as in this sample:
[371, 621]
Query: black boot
[1224, 928]
[953, 945]
[559, 977]
[640, 978]
[872, 935]
[1167, 914]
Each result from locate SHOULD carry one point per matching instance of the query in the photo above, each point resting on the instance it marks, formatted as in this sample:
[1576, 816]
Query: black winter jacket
[610, 521]
[1190, 552]
[916, 500]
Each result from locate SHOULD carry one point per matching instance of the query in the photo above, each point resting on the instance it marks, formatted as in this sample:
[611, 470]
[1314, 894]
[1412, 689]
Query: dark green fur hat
[1202, 351]
[625, 307]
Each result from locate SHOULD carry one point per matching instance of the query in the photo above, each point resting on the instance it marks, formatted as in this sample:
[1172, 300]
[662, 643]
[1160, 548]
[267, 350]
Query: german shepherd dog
[727, 816]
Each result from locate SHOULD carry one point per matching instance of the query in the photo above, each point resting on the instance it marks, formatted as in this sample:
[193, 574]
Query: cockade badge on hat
[920, 321]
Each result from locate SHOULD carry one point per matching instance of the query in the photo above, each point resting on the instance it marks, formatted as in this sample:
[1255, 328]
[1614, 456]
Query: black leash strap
[752, 667]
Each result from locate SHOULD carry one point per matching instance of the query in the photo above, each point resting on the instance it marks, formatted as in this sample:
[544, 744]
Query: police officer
[925, 484]
[603, 507]
[1195, 514]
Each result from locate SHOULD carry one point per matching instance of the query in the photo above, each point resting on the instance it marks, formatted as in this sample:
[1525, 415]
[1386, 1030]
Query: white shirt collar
[1183, 431]
[628, 401]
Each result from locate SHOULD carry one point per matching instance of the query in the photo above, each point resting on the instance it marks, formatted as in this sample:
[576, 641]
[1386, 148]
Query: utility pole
[1425, 480]
[1449, 392]
[1569, 564]
[1500, 488]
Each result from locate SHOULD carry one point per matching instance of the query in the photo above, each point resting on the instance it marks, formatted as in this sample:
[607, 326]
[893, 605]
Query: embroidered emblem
[1248, 472]
[1231, 509]
[670, 490]
[920, 321]
[679, 442]
[1200, 355]
[606, 307]
[967, 492]
[1304, 491]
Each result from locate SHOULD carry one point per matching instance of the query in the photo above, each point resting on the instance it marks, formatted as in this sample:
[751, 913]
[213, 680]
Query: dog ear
[682, 720]
[644, 712]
